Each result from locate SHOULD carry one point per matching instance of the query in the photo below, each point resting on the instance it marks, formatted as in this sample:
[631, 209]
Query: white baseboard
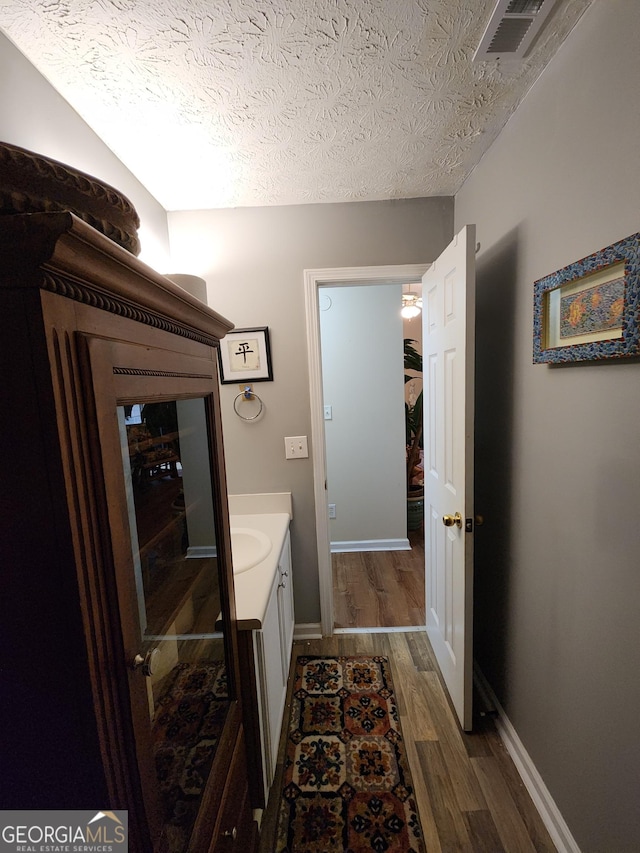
[370, 545]
[308, 631]
[199, 552]
[313, 631]
[403, 629]
[542, 799]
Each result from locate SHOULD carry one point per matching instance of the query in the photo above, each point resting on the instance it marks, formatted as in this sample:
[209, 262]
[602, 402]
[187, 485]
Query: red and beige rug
[190, 715]
[347, 785]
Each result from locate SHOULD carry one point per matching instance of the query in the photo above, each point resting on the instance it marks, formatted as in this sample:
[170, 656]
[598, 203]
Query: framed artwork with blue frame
[590, 310]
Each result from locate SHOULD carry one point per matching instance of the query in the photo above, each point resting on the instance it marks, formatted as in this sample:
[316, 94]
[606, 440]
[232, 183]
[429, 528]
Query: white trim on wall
[347, 546]
[307, 631]
[401, 629]
[313, 279]
[533, 782]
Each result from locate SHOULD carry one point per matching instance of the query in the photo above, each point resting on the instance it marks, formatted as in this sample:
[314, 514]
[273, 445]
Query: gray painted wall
[363, 382]
[34, 116]
[558, 449]
[253, 260]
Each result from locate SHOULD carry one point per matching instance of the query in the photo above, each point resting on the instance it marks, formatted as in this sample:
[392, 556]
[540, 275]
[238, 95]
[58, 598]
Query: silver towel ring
[247, 394]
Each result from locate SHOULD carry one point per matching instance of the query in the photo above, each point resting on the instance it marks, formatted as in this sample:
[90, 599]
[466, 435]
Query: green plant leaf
[412, 358]
[413, 413]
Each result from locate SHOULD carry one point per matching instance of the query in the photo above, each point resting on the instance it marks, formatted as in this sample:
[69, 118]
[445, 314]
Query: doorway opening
[340, 278]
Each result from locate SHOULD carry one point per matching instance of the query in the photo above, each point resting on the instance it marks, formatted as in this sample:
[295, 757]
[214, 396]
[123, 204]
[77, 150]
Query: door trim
[313, 280]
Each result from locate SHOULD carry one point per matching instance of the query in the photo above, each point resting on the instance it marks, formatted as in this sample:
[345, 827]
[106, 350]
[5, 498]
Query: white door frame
[314, 279]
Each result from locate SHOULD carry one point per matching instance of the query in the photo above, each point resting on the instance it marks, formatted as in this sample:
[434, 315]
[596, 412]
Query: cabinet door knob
[231, 833]
[148, 663]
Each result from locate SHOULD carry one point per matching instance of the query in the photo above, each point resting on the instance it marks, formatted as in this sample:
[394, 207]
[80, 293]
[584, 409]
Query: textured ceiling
[222, 103]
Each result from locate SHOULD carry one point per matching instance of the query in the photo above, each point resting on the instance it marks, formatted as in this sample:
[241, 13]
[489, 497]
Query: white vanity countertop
[254, 586]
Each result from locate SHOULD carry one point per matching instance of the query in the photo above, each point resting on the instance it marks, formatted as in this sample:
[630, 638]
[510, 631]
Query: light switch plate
[295, 447]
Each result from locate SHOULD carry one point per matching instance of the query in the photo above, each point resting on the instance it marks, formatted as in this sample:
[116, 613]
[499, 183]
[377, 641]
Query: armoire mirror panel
[165, 452]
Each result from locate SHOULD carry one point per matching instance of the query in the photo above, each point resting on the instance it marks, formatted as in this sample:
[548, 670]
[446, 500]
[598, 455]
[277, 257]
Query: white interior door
[448, 296]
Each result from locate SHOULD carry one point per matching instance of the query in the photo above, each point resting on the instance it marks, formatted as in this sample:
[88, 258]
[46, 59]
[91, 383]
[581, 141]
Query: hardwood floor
[469, 794]
[380, 589]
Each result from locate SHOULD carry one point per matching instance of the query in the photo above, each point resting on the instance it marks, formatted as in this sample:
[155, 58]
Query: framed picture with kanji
[245, 356]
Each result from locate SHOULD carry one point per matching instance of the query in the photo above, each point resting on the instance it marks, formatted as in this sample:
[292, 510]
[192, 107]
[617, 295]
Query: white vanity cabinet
[267, 652]
[285, 608]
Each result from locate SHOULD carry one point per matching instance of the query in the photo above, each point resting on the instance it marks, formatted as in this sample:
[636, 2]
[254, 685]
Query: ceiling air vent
[513, 26]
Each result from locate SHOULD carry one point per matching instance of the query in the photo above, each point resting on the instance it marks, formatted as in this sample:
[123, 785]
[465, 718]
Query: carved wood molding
[171, 374]
[60, 253]
[81, 292]
[31, 183]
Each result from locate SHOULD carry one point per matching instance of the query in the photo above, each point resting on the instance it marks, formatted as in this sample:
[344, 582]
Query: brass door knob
[450, 520]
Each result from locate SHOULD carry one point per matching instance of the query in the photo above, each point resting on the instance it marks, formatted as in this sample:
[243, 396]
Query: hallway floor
[469, 794]
[380, 589]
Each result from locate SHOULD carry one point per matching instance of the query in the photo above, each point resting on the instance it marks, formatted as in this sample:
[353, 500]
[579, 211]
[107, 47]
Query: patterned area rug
[188, 721]
[347, 785]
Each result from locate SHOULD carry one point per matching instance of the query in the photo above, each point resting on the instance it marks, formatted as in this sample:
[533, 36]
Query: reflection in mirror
[165, 449]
